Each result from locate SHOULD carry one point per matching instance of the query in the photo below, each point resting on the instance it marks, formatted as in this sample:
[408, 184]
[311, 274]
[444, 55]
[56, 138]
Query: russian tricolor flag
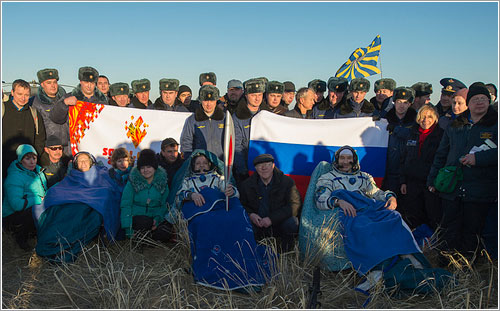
[298, 145]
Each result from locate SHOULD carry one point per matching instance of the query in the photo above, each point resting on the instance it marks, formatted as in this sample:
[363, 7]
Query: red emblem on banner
[80, 116]
[136, 131]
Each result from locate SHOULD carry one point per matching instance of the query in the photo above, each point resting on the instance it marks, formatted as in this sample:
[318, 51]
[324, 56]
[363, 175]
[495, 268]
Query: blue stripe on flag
[298, 159]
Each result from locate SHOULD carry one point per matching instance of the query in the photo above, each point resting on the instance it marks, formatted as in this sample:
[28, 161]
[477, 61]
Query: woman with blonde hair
[421, 206]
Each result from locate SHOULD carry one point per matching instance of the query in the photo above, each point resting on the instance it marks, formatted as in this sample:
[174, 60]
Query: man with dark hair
[356, 106]
[48, 95]
[168, 93]
[85, 91]
[493, 93]
[382, 101]
[169, 158]
[103, 85]
[233, 96]
[140, 100]
[304, 103]
[450, 87]
[272, 202]
[21, 124]
[337, 93]
[423, 91]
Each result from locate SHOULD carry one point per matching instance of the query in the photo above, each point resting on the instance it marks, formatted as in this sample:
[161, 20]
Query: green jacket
[480, 182]
[141, 198]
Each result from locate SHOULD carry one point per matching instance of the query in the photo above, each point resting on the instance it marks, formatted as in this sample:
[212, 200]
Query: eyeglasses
[56, 148]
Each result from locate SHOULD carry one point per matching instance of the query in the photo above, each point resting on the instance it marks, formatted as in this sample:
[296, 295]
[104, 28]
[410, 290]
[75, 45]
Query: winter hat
[208, 77]
[147, 157]
[263, 158]
[23, 150]
[209, 92]
[46, 74]
[184, 88]
[477, 88]
[462, 93]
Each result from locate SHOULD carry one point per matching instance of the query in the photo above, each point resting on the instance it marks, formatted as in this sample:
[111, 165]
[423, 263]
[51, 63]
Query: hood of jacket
[139, 183]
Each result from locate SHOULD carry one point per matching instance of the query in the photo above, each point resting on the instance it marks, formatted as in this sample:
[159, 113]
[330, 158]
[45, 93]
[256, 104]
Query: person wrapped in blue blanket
[376, 239]
[225, 254]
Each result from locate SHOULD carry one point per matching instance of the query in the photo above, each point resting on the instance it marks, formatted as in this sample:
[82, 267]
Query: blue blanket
[375, 234]
[225, 254]
[94, 188]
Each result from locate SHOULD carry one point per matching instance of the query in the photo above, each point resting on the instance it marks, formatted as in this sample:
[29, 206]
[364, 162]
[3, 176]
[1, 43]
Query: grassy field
[124, 275]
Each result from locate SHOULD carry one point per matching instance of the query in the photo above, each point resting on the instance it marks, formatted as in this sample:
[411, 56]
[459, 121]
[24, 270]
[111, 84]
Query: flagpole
[380, 61]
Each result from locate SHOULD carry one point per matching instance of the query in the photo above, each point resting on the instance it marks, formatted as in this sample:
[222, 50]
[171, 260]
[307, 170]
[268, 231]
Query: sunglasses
[56, 148]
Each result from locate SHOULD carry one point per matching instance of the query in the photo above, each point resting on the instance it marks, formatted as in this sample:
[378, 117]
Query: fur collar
[137, 104]
[139, 183]
[410, 116]
[199, 114]
[46, 100]
[346, 108]
[489, 119]
[242, 112]
[77, 92]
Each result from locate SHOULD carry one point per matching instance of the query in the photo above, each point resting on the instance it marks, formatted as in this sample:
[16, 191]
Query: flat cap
[168, 142]
[254, 86]
[403, 92]
[53, 140]
[119, 88]
[234, 84]
[386, 84]
[289, 86]
[359, 85]
[208, 77]
[46, 74]
[338, 84]
[263, 158]
[275, 87]
[169, 85]
[209, 92]
[451, 85]
[142, 85]
[422, 89]
[88, 74]
[317, 85]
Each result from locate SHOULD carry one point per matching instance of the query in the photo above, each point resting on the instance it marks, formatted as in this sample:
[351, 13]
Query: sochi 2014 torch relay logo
[136, 131]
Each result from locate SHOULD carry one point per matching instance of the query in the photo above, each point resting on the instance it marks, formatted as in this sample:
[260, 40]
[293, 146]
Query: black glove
[390, 127]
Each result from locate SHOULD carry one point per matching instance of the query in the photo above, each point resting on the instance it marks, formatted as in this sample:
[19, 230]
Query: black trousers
[21, 224]
[420, 206]
[163, 232]
[463, 223]
[286, 230]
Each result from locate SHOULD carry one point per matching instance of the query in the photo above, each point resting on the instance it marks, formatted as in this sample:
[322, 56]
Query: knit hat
[184, 88]
[23, 150]
[477, 88]
[461, 93]
[147, 157]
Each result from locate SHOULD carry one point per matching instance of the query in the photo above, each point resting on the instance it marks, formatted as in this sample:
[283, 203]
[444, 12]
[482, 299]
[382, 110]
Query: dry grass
[126, 275]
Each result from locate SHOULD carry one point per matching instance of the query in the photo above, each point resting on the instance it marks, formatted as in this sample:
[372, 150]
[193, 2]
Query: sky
[296, 41]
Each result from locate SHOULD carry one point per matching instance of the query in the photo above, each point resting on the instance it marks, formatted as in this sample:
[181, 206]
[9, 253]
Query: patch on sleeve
[486, 135]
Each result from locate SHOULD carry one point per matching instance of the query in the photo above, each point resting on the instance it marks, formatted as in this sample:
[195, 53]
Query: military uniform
[450, 86]
[139, 86]
[351, 109]
[325, 109]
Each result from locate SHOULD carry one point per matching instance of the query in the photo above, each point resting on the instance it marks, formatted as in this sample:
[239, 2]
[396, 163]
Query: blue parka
[22, 188]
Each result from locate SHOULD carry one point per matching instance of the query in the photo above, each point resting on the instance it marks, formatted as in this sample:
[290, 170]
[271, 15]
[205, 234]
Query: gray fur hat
[209, 92]
[337, 84]
[88, 74]
[422, 88]
[119, 88]
[359, 85]
[208, 77]
[46, 74]
[254, 86]
[386, 84]
[404, 92]
[275, 87]
[142, 85]
[317, 85]
[169, 85]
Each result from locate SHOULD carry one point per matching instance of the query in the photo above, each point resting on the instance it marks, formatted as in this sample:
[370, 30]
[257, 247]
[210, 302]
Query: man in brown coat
[272, 202]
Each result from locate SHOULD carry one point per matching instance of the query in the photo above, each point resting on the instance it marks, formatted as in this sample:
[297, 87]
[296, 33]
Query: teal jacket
[480, 182]
[141, 198]
[22, 188]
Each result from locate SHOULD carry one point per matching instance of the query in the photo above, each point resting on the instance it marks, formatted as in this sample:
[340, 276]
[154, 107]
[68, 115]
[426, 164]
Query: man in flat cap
[356, 105]
[54, 162]
[382, 101]
[168, 93]
[85, 91]
[450, 87]
[274, 93]
[204, 129]
[233, 96]
[169, 158]
[320, 87]
[303, 104]
[401, 118]
[242, 117]
[337, 93]
[272, 202]
[140, 100]
[423, 91]
[48, 94]
[119, 94]
[288, 94]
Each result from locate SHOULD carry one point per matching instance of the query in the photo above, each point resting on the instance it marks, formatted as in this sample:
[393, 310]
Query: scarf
[423, 136]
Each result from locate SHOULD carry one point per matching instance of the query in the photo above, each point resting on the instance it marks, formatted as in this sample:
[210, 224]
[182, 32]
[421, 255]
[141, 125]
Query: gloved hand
[390, 127]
